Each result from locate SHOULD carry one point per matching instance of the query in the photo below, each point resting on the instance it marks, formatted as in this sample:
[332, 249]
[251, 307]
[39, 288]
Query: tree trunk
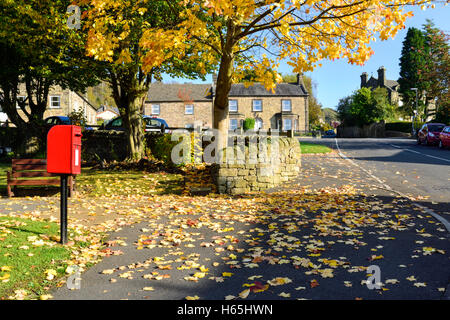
[221, 100]
[134, 130]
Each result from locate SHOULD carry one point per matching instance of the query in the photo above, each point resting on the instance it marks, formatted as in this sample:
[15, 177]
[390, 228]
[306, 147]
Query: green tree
[365, 107]
[38, 51]
[412, 62]
[437, 72]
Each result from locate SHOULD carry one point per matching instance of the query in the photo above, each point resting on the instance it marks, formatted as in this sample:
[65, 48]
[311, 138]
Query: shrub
[249, 124]
[402, 126]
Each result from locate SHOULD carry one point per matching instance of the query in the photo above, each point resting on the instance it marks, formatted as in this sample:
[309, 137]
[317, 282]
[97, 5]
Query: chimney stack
[299, 79]
[381, 77]
[364, 77]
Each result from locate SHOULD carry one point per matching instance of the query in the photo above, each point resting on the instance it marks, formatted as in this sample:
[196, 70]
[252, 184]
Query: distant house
[181, 105]
[106, 113]
[191, 105]
[391, 86]
[61, 102]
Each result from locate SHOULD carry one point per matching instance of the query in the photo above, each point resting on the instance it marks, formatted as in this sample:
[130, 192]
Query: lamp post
[414, 112]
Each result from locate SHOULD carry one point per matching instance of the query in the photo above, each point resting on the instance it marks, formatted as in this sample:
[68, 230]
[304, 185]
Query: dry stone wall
[258, 167]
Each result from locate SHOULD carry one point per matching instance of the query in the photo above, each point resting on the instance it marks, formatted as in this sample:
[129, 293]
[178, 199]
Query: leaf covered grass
[312, 148]
[28, 250]
[95, 182]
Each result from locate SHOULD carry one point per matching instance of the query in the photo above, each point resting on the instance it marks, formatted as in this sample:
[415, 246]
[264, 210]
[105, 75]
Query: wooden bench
[25, 171]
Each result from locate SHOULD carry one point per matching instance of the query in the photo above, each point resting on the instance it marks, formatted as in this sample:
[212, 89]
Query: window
[155, 109]
[55, 102]
[232, 106]
[20, 98]
[286, 106]
[257, 106]
[117, 122]
[233, 124]
[189, 109]
[287, 124]
[189, 126]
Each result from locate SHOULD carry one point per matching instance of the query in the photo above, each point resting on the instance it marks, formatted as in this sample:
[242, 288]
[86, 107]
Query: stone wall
[258, 167]
[374, 130]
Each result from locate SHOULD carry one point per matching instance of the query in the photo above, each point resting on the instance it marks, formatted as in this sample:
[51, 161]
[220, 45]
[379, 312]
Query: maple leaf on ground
[313, 283]
[259, 287]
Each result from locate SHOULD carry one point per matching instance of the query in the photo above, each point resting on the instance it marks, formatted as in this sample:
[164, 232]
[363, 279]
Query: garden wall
[256, 169]
[374, 130]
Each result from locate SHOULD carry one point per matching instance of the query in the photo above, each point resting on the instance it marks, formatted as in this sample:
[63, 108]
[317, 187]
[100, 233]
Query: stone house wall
[256, 171]
[176, 117]
[271, 113]
[69, 101]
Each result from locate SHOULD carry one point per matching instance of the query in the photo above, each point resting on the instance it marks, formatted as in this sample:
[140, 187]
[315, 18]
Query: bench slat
[29, 161]
[36, 182]
[21, 167]
[33, 174]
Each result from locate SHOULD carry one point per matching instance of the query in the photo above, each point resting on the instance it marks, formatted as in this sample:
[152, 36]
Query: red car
[444, 138]
[429, 133]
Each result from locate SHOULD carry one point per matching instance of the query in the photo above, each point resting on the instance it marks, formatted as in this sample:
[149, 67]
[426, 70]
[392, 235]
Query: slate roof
[258, 90]
[389, 84]
[164, 92]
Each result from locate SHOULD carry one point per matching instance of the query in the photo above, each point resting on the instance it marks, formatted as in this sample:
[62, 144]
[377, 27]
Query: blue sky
[337, 79]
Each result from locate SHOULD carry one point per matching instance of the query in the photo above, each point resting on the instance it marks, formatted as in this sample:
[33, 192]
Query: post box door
[76, 150]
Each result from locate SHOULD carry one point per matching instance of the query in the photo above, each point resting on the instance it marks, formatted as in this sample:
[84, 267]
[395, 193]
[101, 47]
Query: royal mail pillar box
[64, 150]
[64, 158]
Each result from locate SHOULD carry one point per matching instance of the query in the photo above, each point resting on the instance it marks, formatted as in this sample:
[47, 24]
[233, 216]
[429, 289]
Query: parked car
[444, 137]
[152, 124]
[60, 120]
[429, 133]
[329, 134]
[57, 120]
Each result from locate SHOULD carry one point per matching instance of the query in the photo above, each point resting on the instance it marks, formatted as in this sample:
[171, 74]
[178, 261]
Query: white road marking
[423, 154]
[427, 210]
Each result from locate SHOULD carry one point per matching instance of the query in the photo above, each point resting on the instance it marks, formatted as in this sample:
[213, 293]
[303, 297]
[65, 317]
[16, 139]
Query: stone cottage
[191, 105]
[61, 102]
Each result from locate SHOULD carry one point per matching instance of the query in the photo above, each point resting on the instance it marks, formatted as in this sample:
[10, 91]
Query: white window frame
[17, 105]
[232, 126]
[236, 105]
[51, 106]
[253, 105]
[283, 105]
[187, 107]
[284, 124]
[153, 110]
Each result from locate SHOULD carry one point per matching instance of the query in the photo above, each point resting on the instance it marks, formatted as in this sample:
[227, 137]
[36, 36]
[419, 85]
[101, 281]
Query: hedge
[402, 126]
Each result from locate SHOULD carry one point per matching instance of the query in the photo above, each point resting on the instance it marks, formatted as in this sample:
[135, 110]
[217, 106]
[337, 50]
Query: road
[421, 172]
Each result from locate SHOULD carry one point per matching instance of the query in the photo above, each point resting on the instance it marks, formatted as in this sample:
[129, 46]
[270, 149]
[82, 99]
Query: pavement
[335, 232]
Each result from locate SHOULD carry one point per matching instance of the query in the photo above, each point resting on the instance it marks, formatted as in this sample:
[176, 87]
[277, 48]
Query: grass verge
[29, 256]
[308, 147]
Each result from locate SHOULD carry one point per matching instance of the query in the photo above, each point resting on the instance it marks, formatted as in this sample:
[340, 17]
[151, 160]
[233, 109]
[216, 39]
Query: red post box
[64, 150]
[64, 158]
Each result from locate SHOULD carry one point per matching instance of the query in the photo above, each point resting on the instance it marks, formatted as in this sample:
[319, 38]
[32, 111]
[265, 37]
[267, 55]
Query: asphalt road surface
[421, 172]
